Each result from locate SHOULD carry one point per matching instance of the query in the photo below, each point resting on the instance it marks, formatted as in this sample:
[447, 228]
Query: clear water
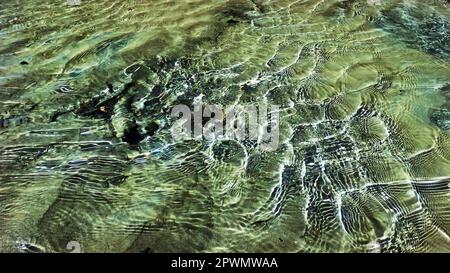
[86, 155]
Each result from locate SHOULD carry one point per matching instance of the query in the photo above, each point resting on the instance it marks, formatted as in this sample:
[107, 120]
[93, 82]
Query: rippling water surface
[86, 155]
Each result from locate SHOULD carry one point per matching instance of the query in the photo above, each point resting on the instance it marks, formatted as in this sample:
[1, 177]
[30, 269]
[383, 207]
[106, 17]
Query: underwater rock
[418, 26]
[441, 117]
[132, 136]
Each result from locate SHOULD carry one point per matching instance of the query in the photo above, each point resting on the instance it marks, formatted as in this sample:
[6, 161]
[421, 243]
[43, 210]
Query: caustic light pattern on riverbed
[86, 155]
